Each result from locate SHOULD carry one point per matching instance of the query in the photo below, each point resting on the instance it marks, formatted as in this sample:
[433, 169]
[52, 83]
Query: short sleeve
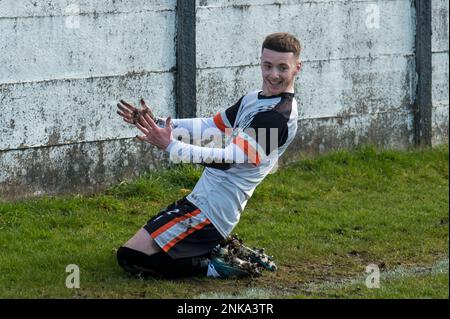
[226, 119]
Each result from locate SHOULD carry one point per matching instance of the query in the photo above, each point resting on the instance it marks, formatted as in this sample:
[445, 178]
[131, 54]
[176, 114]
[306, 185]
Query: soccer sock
[135, 261]
[212, 271]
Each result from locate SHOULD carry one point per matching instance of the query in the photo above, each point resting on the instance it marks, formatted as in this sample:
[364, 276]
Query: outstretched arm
[194, 126]
[162, 138]
[160, 132]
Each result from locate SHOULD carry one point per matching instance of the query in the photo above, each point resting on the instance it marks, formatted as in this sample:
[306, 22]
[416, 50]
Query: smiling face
[279, 70]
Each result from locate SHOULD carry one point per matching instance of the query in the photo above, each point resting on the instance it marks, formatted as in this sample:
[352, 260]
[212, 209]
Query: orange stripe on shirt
[219, 122]
[181, 236]
[251, 153]
[165, 227]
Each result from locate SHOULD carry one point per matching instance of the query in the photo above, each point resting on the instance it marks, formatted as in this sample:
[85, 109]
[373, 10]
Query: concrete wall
[63, 68]
[64, 65]
[357, 83]
[440, 14]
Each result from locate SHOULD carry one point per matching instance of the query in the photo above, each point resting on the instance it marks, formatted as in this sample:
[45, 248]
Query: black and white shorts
[182, 230]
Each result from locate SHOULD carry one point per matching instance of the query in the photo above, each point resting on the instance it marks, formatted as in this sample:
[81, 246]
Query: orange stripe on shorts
[185, 234]
[165, 227]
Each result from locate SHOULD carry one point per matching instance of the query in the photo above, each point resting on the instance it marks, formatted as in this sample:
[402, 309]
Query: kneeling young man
[179, 241]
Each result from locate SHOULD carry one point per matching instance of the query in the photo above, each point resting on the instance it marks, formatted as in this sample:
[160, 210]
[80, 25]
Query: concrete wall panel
[43, 48]
[72, 111]
[358, 59]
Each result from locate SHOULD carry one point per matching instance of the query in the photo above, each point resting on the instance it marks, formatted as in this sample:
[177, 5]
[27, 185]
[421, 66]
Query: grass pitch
[324, 219]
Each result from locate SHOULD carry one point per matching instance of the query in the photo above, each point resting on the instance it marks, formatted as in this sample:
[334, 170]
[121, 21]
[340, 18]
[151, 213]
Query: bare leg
[142, 242]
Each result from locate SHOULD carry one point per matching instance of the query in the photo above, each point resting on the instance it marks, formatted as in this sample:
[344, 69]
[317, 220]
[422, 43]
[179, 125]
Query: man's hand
[132, 115]
[153, 134]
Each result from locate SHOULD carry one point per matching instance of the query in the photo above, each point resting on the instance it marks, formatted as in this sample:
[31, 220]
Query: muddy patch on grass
[290, 282]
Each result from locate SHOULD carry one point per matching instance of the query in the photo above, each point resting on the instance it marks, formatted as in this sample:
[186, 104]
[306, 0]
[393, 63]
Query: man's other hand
[131, 114]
